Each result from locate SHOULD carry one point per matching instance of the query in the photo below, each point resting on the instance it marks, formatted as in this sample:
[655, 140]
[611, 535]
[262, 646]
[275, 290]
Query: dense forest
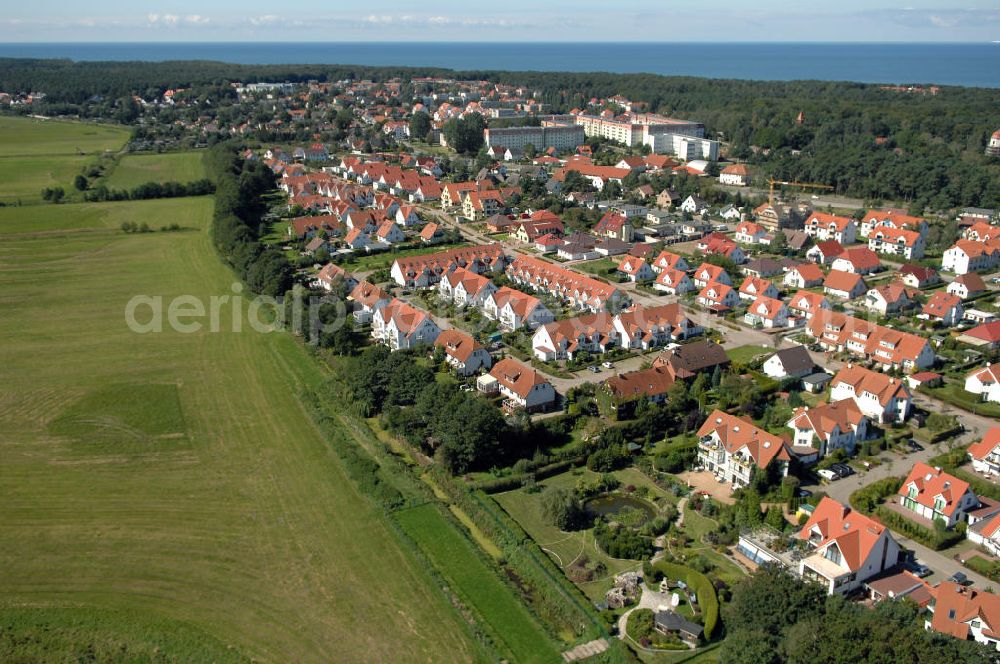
[866, 141]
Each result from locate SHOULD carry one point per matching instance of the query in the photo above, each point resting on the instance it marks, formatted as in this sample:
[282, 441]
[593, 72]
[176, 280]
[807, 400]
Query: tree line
[236, 222]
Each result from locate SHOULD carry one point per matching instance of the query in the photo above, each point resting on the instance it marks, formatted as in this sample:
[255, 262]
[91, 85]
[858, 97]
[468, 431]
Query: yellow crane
[804, 185]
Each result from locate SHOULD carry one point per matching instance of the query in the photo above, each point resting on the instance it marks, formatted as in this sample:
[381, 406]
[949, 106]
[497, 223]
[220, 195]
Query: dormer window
[832, 554]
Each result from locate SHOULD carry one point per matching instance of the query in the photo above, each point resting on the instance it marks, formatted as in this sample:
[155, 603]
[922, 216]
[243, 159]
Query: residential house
[514, 309]
[897, 242]
[806, 275]
[944, 308]
[582, 292]
[754, 287]
[367, 298]
[857, 260]
[882, 398]
[694, 204]
[894, 219]
[668, 622]
[462, 352]
[747, 232]
[985, 336]
[985, 455]
[822, 227]
[767, 312]
[561, 340]
[971, 256]
[719, 297]
[965, 613]
[888, 347]
[667, 260]
[425, 271]
[357, 240]
[824, 253]
[635, 269]
[794, 362]
[937, 495]
[688, 360]
[431, 233]
[737, 175]
[984, 382]
[986, 533]
[844, 285]
[764, 267]
[827, 427]
[331, 273]
[732, 213]
[401, 326]
[644, 328]
[965, 286]
[734, 449]
[523, 387]
[407, 216]
[615, 225]
[918, 276]
[477, 205]
[673, 282]
[721, 245]
[887, 299]
[709, 274]
[389, 233]
[848, 548]
[465, 288]
[804, 305]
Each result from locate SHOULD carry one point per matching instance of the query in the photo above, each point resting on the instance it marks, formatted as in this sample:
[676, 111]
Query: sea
[974, 65]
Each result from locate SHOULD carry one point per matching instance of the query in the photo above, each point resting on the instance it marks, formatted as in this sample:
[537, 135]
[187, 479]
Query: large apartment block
[683, 138]
[558, 137]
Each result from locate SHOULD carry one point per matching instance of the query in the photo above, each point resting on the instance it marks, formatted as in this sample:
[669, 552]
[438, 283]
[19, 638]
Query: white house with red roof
[734, 449]
[887, 299]
[561, 340]
[667, 260]
[985, 455]
[674, 282]
[897, 242]
[806, 275]
[767, 312]
[857, 260]
[986, 533]
[844, 285]
[466, 355]
[971, 256]
[401, 326]
[748, 232]
[937, 495]
[523, 387]
[708, 274]
[803, 305]
[648, 327]
[514, 309]
[965, 613]
[943, 307]
[984, 382]
[848, 548]
[754, 287]
[966, 285]
[822, 227]
[718, 296]
[389, 233]
[331, 273]
[465, 288]
[736, 175]
[824, 253]
[828, 427]
[635, 269]
[880, 397]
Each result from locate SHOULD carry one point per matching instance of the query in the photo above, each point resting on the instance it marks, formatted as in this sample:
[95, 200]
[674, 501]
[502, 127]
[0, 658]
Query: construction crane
[804, 185]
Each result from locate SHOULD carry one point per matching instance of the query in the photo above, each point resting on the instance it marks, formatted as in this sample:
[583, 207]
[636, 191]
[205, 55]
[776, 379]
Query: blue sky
[510, 20]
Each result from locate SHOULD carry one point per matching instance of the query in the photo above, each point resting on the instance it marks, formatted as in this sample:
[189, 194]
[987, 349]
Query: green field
[510, 625]
[136, 169]
[38, 154]
[746, 354]
[565, 548]
[176, 478]
[28, 136]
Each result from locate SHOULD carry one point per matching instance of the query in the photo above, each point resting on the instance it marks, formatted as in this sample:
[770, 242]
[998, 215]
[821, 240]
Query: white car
[606, 364]
[828, 474]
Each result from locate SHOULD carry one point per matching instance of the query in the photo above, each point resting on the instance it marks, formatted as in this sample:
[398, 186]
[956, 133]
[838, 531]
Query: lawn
[746, 354]
[137, 169]
[603, 267]
[362, 262]
[511, 627]
[28, 136]
[175, 478]
[57, 220]
[38, 154]
[23, 178]
[955, 394]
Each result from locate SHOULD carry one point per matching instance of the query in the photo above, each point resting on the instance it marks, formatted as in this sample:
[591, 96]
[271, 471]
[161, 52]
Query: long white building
[559, 137]
[683, 138]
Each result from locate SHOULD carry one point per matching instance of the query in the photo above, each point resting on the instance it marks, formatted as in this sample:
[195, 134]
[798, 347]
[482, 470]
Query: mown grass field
[510, 625]
[175, 478]
[27, 136]
[136, 169]
[37, 154]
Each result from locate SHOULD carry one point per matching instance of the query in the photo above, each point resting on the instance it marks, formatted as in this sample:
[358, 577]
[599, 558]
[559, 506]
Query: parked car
[828, 474]
[606, 364]
[593, 369]
[804, 493]
[842, 469]
[914, 446]
[960, 578]
[920, 570]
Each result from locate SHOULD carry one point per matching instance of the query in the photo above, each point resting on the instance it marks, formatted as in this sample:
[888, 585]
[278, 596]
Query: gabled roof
[809, 271]
[987, 332]
[516, 377]
[955, 606]
[884, 387]
[830, 248]
[735, 434]
[940, 303]
[839, 280]
[645, 382]
[795, 359]
[932, 483]
[854, 534]
[986, 445]
[457, 344]
[862, 258]
[826, 419]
